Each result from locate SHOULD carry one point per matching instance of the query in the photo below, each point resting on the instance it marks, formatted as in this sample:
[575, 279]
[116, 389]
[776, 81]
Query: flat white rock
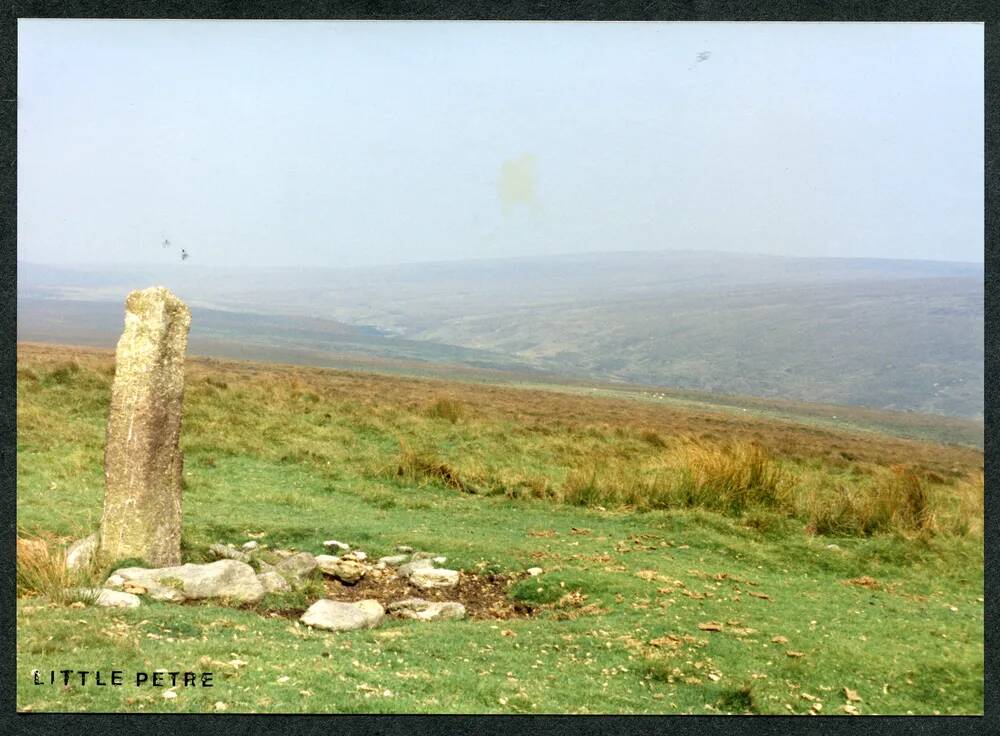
[110, 598]
[421, 610]
[222, 579]
[427, 578]
[340, 616]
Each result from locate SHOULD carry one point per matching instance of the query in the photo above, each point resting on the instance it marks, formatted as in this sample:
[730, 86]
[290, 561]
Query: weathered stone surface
[410, 567]
[333, 544]
[229, 552]
[272, 582]
[405, 548]
[393, 560]
[427, 578]
[533, 571]
[296, 566]
[347, 571]
[421, 610]
[142, 458]
[372, 609]
[147, 587]
[424, 556]
[223, 579]
[339, 616]
[82, 552]
[109, 598]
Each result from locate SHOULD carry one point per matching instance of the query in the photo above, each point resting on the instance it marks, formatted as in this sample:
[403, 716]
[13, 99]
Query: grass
[42, 572]
[759, 527]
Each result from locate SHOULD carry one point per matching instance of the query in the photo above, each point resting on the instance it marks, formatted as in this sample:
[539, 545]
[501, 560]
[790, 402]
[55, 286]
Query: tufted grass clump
[898, 500]
[447, 409]
[42, 572]
[732, 478]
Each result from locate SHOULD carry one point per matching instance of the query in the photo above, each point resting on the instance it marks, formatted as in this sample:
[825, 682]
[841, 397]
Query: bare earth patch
[484, 596]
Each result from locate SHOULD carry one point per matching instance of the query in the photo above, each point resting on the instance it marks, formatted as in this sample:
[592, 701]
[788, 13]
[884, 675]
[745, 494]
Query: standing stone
[142, 457]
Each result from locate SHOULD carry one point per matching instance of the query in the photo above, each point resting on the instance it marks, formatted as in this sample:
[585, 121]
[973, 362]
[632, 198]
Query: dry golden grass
[541, 411]
[42, 572]
[733, 478]
[420, 467]
[523, 443]
[447, 409]
[898, 500]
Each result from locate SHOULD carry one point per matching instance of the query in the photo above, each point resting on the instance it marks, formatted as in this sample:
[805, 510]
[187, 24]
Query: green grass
[303, 462]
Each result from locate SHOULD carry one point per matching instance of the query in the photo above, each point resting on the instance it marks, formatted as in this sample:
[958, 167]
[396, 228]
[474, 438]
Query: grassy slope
[302, 455]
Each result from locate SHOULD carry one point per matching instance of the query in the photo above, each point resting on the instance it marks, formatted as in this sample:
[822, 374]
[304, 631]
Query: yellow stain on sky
[517, 183]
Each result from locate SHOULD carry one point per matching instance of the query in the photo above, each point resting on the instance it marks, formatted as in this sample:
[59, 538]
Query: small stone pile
[143, 467]
[234, 579]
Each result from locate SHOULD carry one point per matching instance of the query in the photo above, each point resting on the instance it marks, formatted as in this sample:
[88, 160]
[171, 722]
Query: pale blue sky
[349, 143]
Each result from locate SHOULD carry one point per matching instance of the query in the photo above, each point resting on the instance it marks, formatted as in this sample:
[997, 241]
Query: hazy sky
[348, 143]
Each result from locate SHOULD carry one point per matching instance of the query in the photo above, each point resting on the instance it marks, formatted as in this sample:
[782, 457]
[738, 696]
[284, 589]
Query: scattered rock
[109, 598]
[272, 582]
[229, 552]
[404, 548]
[251, 545]
[347, 571]
[410, 567]
[440, 560]
[429, 577]
[424, 556]
[223, 579]
[82, 552]
[165, 593]
[421, 610]
[393, 560]
[533, 571]
[356, 555]
[296, 566]
[338, 616]
[334, 544]
[115, 599]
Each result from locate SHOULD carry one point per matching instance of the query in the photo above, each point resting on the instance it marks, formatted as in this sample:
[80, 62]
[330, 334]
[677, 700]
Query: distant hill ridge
[889, 334]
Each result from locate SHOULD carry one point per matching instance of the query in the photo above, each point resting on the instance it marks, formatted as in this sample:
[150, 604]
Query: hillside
[901, 335]
[251, 335]
[672, 581]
